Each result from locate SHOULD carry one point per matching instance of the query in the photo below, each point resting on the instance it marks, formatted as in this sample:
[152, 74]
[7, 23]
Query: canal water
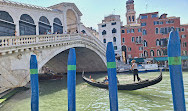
[53, 95]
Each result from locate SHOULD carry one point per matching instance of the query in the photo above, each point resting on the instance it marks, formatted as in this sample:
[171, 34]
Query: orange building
[148, 36]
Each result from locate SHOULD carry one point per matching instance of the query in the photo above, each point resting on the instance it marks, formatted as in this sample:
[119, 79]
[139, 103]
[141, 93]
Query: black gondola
[133, 86]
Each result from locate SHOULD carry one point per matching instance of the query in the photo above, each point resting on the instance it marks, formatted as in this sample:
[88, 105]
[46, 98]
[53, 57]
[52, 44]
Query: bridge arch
[96, 60]
[7, 26]
[72, 21]
[27, 25]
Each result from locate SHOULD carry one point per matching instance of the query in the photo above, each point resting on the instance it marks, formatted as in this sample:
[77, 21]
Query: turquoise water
[53, 95]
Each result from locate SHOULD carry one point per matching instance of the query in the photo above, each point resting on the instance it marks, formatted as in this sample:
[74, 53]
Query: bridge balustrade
[12, 42]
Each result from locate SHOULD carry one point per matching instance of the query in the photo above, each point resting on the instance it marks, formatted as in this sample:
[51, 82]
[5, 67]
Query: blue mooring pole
[112, 85]
[34, 83]
[71, 80]
[174, 62]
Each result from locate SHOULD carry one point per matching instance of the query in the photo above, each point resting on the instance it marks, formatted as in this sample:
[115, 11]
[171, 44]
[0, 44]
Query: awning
[137, 59]
[161, 58]
[166, 58]
[184, 57]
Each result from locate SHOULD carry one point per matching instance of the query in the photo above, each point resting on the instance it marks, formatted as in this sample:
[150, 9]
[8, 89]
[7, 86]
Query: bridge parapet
[11, 44]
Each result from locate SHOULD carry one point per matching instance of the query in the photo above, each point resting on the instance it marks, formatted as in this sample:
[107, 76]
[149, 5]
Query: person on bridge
[135, 70]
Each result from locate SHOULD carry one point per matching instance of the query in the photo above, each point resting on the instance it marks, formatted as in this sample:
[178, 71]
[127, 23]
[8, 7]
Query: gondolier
[135, 70]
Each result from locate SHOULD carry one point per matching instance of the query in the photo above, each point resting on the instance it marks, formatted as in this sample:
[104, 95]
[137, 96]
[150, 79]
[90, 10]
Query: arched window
[145, 54]
[114, 39]
[27, 25]
[152, 53]
[57, 26]
[7, 27]
[104, 40]
[145, 43]
[104, 32]
[44, 25]
[113, 30]
[158, 53]
[157, 42]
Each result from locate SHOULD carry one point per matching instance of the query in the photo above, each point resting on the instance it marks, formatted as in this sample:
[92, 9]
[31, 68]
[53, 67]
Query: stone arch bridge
[52, 51]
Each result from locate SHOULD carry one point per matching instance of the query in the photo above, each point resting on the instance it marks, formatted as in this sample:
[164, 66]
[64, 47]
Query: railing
[19, 41]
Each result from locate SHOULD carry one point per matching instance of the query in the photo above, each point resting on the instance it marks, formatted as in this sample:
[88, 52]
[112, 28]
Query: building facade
[148, 37]
[24, 19]
[110, 31]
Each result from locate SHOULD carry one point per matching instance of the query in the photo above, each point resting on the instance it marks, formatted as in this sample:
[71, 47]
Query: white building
[25, 19]
[110, 31]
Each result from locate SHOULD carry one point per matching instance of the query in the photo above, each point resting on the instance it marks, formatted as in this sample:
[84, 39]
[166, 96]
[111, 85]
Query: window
[139, 30]
[123, 39]
[152, 53]
[157, 42]
[164, 30]
[137, 40]
[164, 51]
[178, 29]
[132, 30]
[170, 22]
[145, 43]
[145, 54]
[114, 23]
[184, 44]
[132, 40]
[114, 30]
[27, 25]
[143, 17]
[140, 48]
[122, 31]
[154, 15]
[128, 30]
[114, 39]
[156, 30]
[182, 29]
[104, 25]
[104, 40]
[156, 22]
[115, 47]
[129, 48]
[144, 32]
[143, 24]
[140, 39]
[183, 36]
[104, 32]
[158, 53]
[129, 18]
[133, 18]
[161, 22]
[140, 55]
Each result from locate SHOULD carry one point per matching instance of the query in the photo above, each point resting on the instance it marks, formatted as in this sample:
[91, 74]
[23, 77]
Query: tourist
[105, 80]
[49, 32]
[135, 70]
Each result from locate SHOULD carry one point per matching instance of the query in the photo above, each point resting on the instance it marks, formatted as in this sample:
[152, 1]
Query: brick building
[148, 36]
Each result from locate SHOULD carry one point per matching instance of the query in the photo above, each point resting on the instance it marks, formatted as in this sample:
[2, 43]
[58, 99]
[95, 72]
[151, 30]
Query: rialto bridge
[24, 31]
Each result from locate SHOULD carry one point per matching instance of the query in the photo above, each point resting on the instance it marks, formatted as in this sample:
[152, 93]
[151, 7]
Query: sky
[94, 11]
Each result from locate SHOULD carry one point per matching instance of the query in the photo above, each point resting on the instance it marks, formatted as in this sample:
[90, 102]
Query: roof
[25, 5]
[65, 4]
[149, 13]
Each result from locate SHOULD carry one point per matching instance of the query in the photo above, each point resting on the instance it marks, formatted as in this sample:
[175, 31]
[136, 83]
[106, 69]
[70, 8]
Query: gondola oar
[112, 86]
[34, 83]
[174, 61]
[71, 80]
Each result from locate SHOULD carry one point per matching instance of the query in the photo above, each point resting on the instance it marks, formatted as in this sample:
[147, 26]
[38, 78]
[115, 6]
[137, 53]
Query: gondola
[133, 86]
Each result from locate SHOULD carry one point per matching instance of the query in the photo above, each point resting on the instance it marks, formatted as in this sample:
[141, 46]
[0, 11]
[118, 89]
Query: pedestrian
[135, 70]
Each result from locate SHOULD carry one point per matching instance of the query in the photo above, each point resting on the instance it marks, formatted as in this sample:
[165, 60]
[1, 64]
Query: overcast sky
[94, 10]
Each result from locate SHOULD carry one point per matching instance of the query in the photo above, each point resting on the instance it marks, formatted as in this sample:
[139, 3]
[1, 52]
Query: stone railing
[11, 44]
